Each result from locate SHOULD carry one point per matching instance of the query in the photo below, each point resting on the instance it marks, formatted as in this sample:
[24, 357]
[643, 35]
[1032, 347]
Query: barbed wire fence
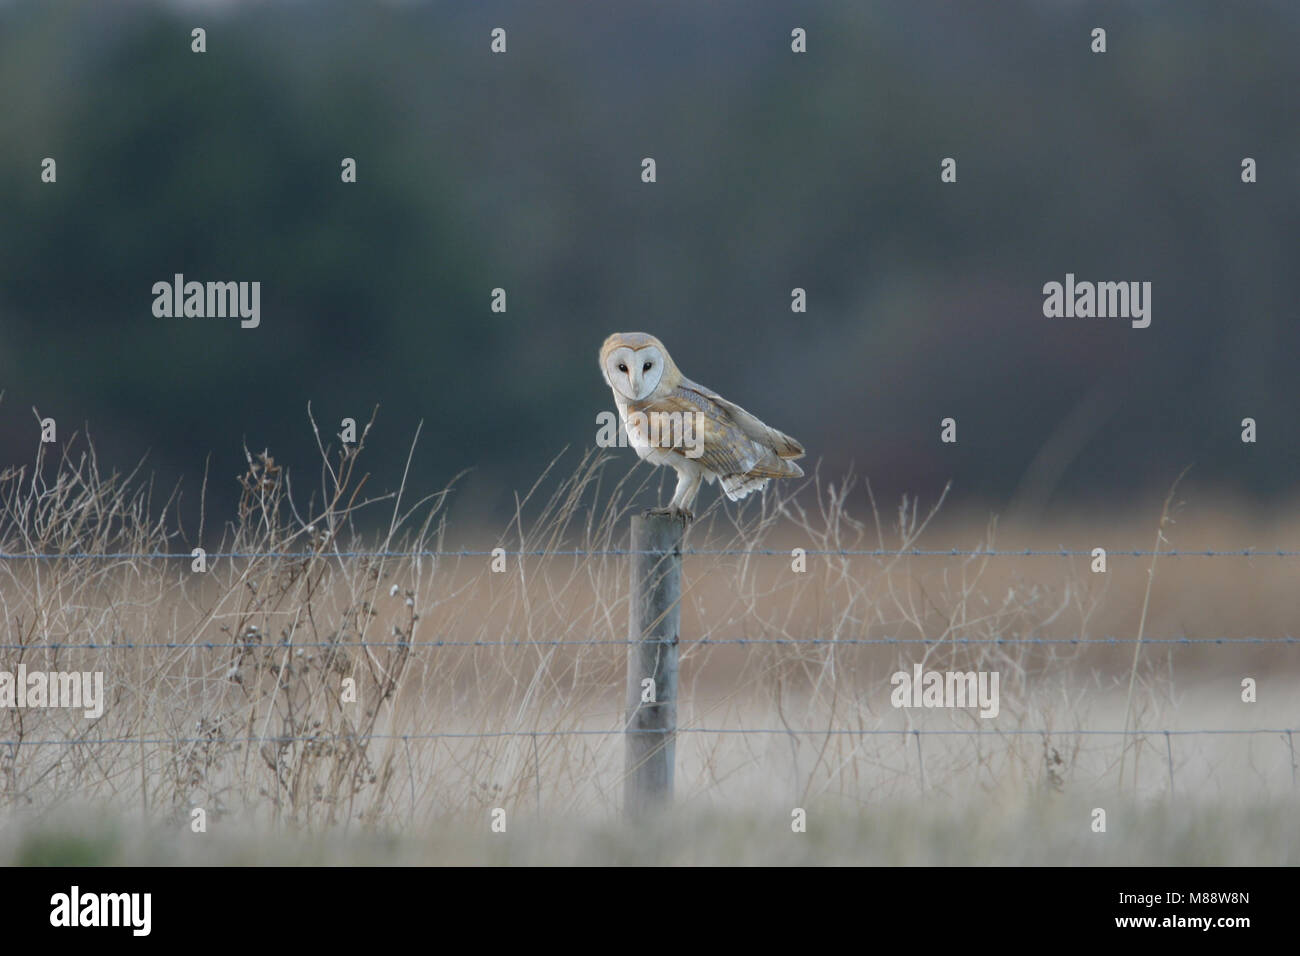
[663, 734]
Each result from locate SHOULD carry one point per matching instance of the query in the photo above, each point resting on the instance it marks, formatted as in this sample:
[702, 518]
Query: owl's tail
[773, 467]
[738, 486]
[785, 447]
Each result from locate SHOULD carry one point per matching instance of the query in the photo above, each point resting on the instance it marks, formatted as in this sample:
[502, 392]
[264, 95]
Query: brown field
[466, 704]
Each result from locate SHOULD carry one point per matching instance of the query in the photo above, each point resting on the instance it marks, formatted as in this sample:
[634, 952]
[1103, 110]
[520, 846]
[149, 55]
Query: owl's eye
[646, 367]
[622, 367]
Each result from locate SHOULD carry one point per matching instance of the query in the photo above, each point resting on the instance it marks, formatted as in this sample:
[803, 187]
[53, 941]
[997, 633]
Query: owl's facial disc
[634, 373]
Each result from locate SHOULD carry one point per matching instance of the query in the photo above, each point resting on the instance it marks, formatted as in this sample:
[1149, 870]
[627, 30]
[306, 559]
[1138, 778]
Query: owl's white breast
[639, 438]
[636, 437]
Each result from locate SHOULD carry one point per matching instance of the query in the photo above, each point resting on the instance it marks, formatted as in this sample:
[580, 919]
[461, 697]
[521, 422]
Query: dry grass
[255, 729]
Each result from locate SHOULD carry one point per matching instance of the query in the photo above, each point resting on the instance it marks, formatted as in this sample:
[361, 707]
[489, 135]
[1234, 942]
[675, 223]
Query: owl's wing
[778, 442]
[732, 441]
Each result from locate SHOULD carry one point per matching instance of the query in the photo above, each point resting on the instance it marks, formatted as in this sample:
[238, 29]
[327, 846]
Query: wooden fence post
[654, 618]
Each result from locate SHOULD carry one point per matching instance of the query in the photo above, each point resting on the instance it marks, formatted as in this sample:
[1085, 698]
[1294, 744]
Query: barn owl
[672, 421]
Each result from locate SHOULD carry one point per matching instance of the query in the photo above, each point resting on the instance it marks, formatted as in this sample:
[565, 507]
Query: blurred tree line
[775, 171]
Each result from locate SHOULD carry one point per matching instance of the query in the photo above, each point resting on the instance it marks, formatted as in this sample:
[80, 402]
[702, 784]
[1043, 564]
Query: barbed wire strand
[688, 552]
[833, 731]
[252, 643]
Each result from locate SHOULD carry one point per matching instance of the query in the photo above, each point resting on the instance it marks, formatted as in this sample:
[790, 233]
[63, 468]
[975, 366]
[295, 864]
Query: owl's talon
[684, 515]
